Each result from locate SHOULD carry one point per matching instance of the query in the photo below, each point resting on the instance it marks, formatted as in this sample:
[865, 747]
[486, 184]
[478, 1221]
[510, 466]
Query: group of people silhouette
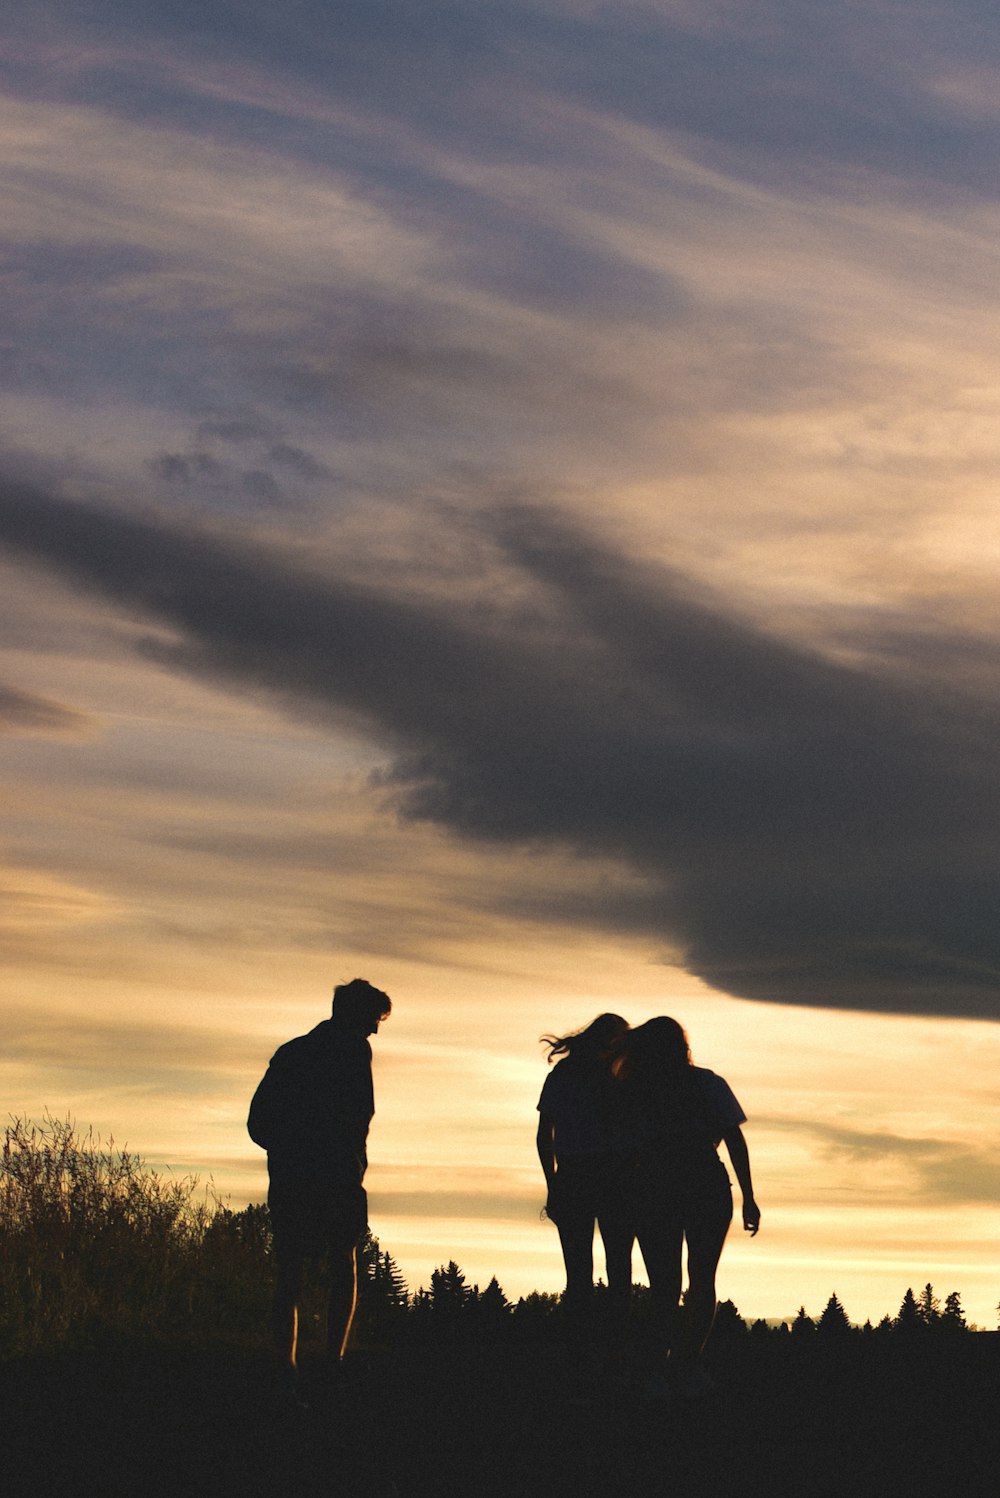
[628, 1138]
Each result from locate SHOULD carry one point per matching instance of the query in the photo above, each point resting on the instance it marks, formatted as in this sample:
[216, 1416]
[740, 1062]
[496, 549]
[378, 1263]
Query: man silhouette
[311, 1113]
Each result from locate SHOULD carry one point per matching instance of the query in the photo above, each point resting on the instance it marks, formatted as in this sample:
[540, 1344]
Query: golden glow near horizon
[511, 551]
[870, 1136]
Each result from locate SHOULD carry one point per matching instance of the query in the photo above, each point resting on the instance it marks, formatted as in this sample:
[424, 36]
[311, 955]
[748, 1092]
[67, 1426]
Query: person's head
[658, 1048]
[600, 1041]
[360, 1006]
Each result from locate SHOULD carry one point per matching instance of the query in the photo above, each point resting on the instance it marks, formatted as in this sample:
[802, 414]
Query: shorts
[692, 1193]
[591, 1186]
[310, 1218]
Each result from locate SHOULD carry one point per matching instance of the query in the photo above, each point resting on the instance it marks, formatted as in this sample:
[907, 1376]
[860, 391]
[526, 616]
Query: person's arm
[740, 1156]
[546, 1142]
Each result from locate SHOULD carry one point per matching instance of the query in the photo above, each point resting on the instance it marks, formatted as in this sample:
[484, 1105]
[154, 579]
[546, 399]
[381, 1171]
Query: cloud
[943, 1170]
[805, 831]
[485, 1192]
[74, 1051]
[800, 81]
[25, 713]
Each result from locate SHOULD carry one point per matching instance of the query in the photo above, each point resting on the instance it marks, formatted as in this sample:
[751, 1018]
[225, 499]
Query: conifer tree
[420, 1305]
[803, 1325]
[491, 1309]
[493, 1299]
[383, 1296]
[953, 1316]
[908, 1318]
[379, 1276]
[387, 1277]
[450, 1295]
[834, 1322]
[534, 1313]
[728, 1321]
[929, 1307]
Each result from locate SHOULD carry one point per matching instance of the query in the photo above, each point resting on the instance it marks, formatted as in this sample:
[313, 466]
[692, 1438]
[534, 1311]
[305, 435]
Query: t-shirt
[721, 1105]
[702, 1105]
[314, 1104]
[580, 1101]
[592, 1114]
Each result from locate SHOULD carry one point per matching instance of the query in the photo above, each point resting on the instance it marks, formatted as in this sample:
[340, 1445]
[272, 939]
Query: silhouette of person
[311, 1113]
[677, 1115]
[581, 1149]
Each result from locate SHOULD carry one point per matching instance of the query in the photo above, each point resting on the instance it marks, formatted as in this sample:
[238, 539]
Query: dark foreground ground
[871, 1419]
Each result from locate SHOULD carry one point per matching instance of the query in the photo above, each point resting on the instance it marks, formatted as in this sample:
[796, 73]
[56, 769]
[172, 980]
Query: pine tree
[929, 1307]
[803, 1325]
[834, 1321]
[387, 1279]
[728, 1321]
[493, 1299]
[420, 1306]
[908, 1318]
[491, 1310]
[953, 1316]
[383, 1296]
[535, 1314]
[450, 1295]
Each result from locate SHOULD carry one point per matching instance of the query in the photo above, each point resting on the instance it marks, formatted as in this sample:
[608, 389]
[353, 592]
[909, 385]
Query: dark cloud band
[807, 832]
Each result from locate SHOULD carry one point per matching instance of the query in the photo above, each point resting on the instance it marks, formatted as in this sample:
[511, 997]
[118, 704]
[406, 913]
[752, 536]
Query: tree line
[917, 1315]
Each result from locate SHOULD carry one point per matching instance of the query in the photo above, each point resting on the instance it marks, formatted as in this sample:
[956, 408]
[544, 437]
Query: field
[862, 1419]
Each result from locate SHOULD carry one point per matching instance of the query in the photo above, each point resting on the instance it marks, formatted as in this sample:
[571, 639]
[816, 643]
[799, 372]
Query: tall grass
[97, 1248]
[94, 1246]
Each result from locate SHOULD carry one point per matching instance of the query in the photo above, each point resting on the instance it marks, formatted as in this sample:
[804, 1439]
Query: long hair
[600, 1041]
[655, 1053]
[656, 1075]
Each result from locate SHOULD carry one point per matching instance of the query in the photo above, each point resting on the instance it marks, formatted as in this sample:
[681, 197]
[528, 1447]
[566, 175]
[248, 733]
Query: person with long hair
[582, 1151]
[677, 1115]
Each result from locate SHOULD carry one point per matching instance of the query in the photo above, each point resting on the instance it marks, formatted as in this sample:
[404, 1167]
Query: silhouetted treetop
[834, 1322]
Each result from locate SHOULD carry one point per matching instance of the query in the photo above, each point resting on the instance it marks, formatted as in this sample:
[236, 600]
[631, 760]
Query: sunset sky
[501, 499]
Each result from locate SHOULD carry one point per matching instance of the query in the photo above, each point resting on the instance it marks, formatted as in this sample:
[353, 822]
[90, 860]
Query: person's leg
[706, 1235]
[343, 1299]
[616, 1221]
[285, 1306]
[345, 1218]
[617, 1236]
[288, 1204]
[576, 1238]
[661, 1238]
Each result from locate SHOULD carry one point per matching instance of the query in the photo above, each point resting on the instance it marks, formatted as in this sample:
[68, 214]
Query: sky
[500, 500]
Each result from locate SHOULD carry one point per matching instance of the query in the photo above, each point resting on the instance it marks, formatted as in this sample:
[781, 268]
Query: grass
[96, 1248]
